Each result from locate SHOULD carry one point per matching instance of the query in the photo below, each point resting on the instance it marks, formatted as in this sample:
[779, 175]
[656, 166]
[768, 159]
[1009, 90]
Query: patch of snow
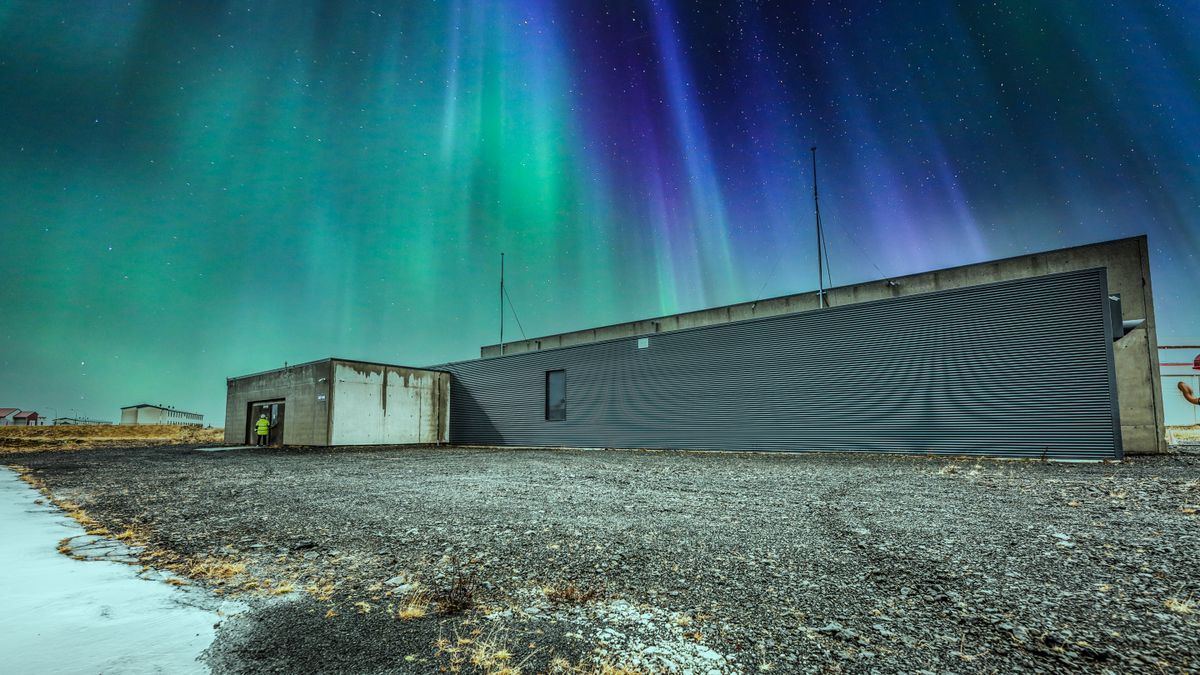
[641, 638]
[65, 615]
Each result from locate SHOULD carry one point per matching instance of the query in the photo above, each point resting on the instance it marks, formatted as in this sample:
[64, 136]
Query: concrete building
[1048, 355]
[1125, 261]
[144, 413]
[340, 402]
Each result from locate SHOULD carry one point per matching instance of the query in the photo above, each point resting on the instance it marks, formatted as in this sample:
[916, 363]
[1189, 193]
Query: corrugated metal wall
[1019, 368]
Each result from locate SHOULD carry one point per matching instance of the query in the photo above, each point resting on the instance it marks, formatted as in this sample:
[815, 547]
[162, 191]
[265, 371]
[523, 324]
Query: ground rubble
[471, 560]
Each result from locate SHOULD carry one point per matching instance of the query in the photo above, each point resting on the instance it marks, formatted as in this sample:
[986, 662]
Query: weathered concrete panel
[388, 405]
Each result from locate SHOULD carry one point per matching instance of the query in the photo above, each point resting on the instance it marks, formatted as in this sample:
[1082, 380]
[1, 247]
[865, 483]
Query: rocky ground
[420, 560]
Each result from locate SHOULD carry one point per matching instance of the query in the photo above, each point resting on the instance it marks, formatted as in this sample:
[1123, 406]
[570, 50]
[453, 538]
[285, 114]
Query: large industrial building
[1050, 355]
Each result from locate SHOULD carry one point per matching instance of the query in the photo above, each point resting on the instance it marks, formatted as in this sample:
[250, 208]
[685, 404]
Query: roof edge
[1135, 238]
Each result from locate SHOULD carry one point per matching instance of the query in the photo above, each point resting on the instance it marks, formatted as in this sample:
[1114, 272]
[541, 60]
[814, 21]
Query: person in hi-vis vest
[263, 427]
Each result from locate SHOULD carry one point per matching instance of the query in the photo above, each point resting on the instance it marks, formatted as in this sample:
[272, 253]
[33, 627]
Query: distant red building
[15, 417]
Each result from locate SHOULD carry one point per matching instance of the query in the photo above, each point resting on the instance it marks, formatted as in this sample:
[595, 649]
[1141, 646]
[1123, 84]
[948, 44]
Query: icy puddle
[60, 615]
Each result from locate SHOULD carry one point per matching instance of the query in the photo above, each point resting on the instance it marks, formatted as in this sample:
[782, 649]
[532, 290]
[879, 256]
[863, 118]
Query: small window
[643, 342]
[556, 395]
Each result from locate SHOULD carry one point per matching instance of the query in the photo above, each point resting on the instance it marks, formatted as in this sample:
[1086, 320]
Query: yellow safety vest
[263, 426]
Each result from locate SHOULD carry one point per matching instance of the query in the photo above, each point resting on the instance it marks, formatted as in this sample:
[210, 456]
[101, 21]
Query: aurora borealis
[193, 190]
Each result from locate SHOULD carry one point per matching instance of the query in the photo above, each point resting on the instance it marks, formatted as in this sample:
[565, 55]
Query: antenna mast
[502, 303]
[820, 236]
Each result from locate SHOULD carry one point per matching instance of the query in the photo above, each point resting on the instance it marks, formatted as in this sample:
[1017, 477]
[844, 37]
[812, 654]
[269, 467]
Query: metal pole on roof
[820, 235]
[502, 303]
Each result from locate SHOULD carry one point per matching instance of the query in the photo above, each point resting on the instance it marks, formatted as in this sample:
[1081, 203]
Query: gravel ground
[415, 560]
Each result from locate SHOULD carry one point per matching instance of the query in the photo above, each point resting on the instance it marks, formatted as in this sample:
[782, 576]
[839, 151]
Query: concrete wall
[1126, 260]
[303, 388]
[375, 404]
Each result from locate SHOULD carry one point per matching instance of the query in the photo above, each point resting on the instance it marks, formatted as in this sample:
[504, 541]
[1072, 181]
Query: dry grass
[1185, 606]
[25, 440]
[571, 594]
[209, 569]
[321, 589]
[483, 653]
[416, 608]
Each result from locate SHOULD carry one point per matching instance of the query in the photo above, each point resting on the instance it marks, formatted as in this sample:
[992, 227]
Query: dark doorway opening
[274, 412]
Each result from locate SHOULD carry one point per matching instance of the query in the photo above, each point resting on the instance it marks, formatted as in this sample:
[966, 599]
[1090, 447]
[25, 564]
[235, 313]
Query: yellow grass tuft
[210, 569]
[1186, 606]
[363, 607]
[65, 548]
[416, 608]
[321, 589]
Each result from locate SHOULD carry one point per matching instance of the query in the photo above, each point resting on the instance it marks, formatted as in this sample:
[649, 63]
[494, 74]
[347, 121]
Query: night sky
[194, 190]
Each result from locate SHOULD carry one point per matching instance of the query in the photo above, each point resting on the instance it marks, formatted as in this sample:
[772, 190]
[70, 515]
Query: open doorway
[274, 412]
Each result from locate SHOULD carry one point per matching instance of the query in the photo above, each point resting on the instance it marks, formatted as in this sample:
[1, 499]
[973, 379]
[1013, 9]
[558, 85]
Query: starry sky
[195, 190]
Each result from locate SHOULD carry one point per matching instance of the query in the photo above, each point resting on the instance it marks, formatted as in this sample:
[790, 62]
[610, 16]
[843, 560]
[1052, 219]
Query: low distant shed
[340, 402]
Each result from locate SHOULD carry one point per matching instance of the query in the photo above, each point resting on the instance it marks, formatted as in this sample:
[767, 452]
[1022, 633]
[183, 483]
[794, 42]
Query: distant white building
[68, 421]
[144, 413]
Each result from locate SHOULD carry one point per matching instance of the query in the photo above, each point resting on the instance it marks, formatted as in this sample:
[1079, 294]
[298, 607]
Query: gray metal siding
[1020, 368]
